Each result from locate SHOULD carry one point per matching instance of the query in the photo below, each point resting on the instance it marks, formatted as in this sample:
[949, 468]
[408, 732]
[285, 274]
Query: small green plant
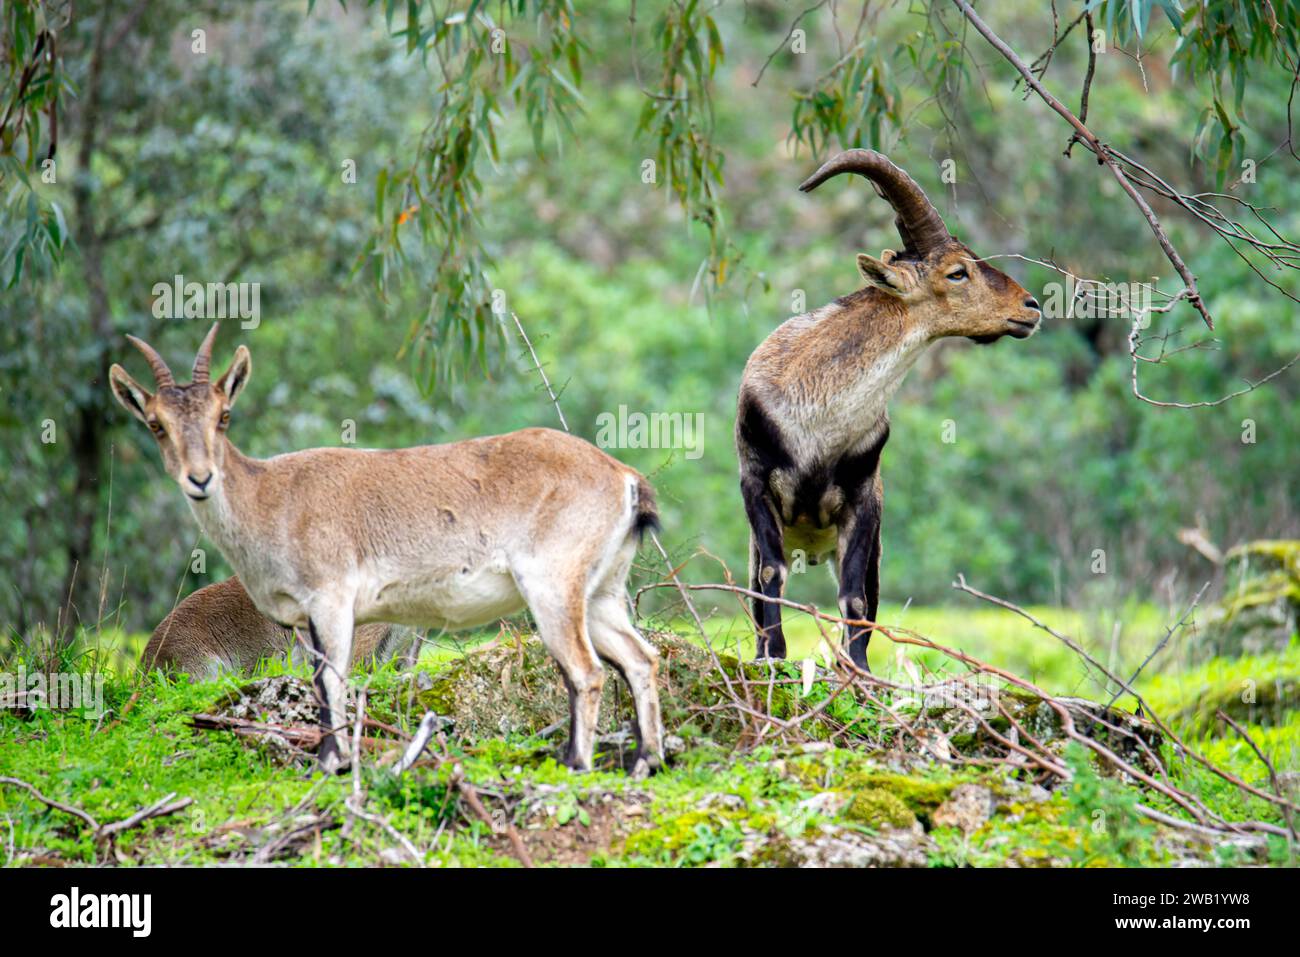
[712, 845]
[568, 809]
[1104, 813]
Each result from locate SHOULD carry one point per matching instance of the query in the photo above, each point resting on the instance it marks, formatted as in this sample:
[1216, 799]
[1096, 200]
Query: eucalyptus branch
[786, 39]
[1102, 152]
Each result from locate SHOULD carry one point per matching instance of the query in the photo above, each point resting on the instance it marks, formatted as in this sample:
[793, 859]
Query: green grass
[707, 808]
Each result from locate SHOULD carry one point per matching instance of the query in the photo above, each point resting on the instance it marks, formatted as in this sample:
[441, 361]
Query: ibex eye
[225, 418]
[957, 275]
[156, 428]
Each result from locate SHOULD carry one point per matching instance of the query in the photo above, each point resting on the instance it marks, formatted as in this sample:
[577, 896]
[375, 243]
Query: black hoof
[329, 759]
[567, 758]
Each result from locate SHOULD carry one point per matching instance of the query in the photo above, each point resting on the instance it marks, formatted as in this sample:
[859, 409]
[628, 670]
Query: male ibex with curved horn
[811, 418]
[440, 536]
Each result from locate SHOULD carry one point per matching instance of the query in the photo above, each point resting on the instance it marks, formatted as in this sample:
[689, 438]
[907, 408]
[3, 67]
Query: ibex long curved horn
[161, 374]
[203, 359]
[918, 222]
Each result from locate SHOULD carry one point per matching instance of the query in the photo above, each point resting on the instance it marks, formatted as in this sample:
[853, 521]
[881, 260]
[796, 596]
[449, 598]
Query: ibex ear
[131, 394]
[882, 275]
[888, 256]
[234, 379]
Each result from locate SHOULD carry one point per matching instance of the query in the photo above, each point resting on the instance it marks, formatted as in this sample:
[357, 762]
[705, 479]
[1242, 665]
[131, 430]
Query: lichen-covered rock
[835, 846]
[280, 701]
[968, 808]
[283, 700]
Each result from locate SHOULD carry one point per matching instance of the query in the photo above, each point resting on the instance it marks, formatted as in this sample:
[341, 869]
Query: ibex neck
[222, 514]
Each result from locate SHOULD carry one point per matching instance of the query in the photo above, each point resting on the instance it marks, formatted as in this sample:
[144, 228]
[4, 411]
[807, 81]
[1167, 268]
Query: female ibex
[440, 536]
[811, 418]
[218, 630]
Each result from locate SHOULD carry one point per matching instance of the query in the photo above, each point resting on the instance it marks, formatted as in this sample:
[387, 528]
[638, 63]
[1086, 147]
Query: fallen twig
[355, 802]
[1272, 771]
[106, 832]
[305, 738]
[50, 802]
[160, 808]
[1150, 712]
[470, 794]
[418, 743]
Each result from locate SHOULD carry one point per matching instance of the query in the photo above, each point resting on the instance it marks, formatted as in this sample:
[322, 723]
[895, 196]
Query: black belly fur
[764, 451]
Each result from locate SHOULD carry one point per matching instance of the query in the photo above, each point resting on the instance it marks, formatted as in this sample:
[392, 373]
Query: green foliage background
[228, 166]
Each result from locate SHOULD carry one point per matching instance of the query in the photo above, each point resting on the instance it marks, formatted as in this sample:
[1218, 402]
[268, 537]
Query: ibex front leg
[859, 565]
[331, 638]
[767, 568]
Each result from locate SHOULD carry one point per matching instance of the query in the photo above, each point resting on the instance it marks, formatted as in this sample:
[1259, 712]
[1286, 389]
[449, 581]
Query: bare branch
[555, 400]
[788, 34]
[1272, 771]
[50, 802]
[1169, 633]
[1089, 139]
[1133, 344]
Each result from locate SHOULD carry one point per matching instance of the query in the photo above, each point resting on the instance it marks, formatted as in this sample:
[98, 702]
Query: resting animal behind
[218, 629]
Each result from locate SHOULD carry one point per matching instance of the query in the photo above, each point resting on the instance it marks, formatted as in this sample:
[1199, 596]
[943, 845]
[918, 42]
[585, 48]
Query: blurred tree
[175, 149]
[529, 178]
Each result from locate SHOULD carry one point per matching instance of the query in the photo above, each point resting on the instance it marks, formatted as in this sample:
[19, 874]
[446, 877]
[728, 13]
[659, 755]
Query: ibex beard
[448, 536]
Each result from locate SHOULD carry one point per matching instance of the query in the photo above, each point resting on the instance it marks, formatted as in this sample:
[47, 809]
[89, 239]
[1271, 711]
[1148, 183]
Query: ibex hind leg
[559, 607]
[331, 638]
[618, 642]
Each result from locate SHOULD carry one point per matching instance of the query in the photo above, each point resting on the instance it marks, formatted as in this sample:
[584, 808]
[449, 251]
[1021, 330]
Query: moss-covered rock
[877, 807]
[919, 794]
[1268, 703]
[513, 686]
[1260, 607]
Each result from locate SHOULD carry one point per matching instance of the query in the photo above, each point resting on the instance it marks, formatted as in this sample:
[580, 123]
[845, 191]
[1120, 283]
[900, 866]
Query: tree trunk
[88, 432]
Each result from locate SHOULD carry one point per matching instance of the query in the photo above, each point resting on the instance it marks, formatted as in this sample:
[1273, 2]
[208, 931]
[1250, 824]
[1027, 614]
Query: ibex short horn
[440, 536]
[162, 376]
